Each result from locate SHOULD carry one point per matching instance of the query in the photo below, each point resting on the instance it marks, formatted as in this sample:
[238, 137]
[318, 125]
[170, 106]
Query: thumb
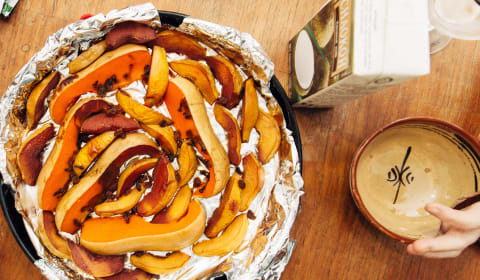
[454, 218]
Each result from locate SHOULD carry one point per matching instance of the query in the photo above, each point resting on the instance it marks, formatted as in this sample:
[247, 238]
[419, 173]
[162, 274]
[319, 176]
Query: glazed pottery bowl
[408, 164]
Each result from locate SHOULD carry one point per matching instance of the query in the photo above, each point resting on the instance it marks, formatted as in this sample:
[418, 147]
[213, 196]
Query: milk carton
[352, 48]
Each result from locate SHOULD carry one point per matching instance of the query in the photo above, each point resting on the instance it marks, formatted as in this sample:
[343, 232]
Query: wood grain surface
[334, 241]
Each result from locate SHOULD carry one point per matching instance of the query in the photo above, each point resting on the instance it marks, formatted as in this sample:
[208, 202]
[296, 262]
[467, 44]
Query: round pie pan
[7, 198]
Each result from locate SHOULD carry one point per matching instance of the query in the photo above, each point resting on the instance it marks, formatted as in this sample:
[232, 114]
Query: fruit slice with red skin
[182, 91]
[121, 205]
[102, 122]
[78, 202]
[129, 32]
[269, 140]
[136, 274]
[158, 79]
[174, 41]
[126, 64]
[36, 100]
[200, 75]
[187, 162]
[230, 239]
[140, 112]
[47, 231]
[29, 156]
[254, 177]
[230, 125]
[113, 235]
[160, 265]
[54, 175]
[87, 57]
[228, 208]
[164, 135]
[89, 152]
[163, 189]
[93, 264]
[132, 172]
[177, 208]
[249, 111]
[228, 75]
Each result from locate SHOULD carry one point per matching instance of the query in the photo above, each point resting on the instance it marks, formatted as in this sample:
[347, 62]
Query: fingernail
[433, 209]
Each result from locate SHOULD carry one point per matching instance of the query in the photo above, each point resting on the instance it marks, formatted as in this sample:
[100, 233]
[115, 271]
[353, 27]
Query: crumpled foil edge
[61, 47]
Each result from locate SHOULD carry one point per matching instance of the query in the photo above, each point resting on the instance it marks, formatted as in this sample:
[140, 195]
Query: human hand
[458, 230]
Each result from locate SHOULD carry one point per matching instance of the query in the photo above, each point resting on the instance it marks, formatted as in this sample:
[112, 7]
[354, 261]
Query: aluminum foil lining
[267, 248]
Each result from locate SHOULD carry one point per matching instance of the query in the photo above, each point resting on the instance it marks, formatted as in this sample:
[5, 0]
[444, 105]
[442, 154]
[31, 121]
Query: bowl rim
[472, 140]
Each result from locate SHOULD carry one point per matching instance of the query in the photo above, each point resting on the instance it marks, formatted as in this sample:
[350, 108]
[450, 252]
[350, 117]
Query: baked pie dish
[148, 152]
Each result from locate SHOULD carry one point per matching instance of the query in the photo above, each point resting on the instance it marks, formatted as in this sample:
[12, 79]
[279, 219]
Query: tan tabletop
[334, 240]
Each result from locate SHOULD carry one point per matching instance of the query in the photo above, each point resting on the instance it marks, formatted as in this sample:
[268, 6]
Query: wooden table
[333, 238]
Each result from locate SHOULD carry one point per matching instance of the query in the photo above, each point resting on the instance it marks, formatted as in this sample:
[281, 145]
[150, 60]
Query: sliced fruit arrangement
[159, 265]
[270, 137]
[93, 264]
[158, 80]
[55, 173]
[114, 235]
[91, 150]
[140, 112]
[29, 156]
[228, 209]
[36, 100]
[75, 205]
[200, 75]
[112, 70]
[131, 162]
[177, 208]
[174, 41]
[249, 109]
[87, 57]
[227, 74]
[230, 239]
[230, 125]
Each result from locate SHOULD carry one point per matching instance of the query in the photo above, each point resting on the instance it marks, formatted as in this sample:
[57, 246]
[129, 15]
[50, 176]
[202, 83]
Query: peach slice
[158, 79]
[49, 236]
[87, 57]
[55, 172]
[228, 75]
[200, 75]
[269, 140]
[136, 274]
[164, 135]
[174, 41]
[114, 69]
[228, 208]
[129, 32]
[77, 203]
[36, 100]
[160, 265]
[249, 111]
[254, 177]
[187, 162]
[114, 235]
[93, 264]
[163, 189]
[103, 122]
[177, 209]
[140, 112]
[29, 157]
[230, 125]
[91, 150]
[132, 172]
[230, 239]
[122, 205]
[198, 124]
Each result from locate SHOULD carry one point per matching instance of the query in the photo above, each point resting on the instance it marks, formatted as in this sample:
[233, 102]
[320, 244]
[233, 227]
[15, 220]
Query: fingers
[465, 220]
[442, 255]
[447, 242]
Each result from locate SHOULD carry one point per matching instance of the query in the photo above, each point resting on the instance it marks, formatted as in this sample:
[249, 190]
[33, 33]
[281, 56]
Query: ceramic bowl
[408, 164]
